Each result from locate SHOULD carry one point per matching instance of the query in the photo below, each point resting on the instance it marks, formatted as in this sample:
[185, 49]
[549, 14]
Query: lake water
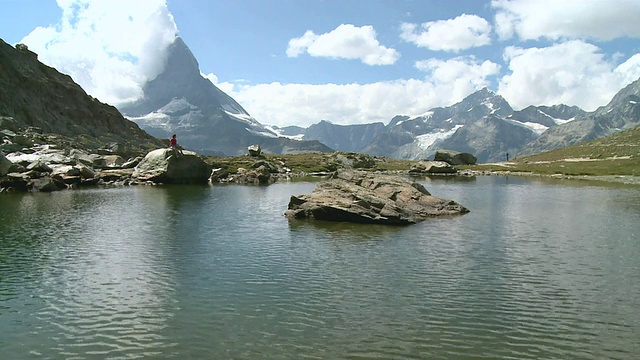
[538, 269]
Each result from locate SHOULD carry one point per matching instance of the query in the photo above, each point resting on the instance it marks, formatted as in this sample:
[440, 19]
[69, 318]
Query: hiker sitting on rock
[173, 144]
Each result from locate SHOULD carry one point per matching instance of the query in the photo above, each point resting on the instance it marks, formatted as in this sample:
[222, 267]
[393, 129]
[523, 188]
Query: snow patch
[556, 120]
[154, 119]
[245, 118]
[426, 140]
[426, 116]
[265, 133]
[279, 133]
[538, 129]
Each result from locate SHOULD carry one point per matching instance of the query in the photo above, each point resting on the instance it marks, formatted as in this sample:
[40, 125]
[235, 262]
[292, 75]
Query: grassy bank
[605, 159]
[308, 163]
[617, 154]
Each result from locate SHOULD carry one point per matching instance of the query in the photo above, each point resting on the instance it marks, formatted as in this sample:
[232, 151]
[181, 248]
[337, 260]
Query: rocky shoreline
[614, 179]
[30, 166]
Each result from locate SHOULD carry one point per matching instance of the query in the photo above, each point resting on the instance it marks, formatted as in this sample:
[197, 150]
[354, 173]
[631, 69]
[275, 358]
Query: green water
[537, 270]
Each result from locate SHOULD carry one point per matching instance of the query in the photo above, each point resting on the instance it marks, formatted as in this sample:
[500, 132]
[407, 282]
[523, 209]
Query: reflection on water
[538, 269]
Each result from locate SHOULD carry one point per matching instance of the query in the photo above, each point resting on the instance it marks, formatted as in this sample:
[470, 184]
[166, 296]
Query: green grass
[617, 154]
[309, 162]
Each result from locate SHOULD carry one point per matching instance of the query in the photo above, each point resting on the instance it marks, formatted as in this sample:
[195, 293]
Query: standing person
[173, 144]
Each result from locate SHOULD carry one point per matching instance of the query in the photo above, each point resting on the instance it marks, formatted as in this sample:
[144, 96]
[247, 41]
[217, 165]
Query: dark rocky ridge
[35, 95]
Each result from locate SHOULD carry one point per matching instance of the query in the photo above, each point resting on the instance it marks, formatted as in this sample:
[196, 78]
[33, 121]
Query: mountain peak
[480, 95]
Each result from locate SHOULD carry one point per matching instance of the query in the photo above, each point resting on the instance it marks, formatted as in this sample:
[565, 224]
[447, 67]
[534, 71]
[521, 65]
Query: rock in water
[364, 197]
[171, 166]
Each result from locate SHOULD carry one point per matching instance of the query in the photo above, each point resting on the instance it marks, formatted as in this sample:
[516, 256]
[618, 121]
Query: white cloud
[111, 48]
[463, 32]
[567, 19]
[455, 78]
[344, 42]
[573, 73]
[629, 71]
[302, 104]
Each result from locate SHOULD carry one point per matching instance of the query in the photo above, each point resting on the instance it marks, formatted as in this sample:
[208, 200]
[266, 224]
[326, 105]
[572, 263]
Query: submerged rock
[363, 197]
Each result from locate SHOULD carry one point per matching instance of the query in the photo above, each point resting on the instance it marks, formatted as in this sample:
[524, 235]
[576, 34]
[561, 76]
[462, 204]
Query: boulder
[131, 163]
[5, 165]
[171, 166]
[257, 176]
[14, 181]
[353, 161]
[218, 174]
[47, 184]
[39, 166]
[364, 197]
[113, 160]
[432, 167]
[254, 150]
[455, 157]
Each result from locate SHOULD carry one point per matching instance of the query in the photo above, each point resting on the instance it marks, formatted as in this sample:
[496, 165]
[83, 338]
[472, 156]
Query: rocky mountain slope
[485, 125]
[39, 98]
[180, 100]
[347, 138]
[622, 112]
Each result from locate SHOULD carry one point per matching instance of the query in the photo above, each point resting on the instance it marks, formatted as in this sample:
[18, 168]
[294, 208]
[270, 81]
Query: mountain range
[181, 100]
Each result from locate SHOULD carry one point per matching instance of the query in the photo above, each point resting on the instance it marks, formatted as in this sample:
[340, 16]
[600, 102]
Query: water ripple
[218, 272]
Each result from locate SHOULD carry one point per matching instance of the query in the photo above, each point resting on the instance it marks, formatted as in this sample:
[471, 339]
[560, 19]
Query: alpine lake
[539, 269]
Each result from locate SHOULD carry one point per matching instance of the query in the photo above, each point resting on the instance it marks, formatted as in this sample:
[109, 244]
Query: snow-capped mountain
[622, 112]
[181, 101]
[483, 124]
[418, 137]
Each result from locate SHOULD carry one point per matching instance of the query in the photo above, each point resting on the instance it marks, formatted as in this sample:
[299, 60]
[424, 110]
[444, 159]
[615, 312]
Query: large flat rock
[364, 197]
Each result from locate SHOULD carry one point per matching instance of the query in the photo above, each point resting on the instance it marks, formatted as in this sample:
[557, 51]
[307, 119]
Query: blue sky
[296, 62]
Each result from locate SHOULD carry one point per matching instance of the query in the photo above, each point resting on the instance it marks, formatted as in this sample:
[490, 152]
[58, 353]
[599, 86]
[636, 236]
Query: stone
[432, 167]
[86, 172]
[5, 165]
[453, 157]
[131, 163]
[14, 181]
[172, 166]
[113, 160]
[257, 176]
[254, 150]
[47, 184]
[218, 174]
[39, 166]
[364, 197]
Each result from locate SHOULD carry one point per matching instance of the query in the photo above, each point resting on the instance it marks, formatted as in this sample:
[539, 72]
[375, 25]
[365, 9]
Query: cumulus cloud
[463, 32]
[111, 48]
[460, 76]
[446, 82]
[344, 42]
[573, 73]
[553, 19]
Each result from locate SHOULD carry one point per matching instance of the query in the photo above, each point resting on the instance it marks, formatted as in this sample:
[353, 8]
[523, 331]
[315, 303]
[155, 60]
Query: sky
[297, 62]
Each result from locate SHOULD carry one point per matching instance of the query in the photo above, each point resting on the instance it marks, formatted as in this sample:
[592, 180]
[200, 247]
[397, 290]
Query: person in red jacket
[173, 144]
